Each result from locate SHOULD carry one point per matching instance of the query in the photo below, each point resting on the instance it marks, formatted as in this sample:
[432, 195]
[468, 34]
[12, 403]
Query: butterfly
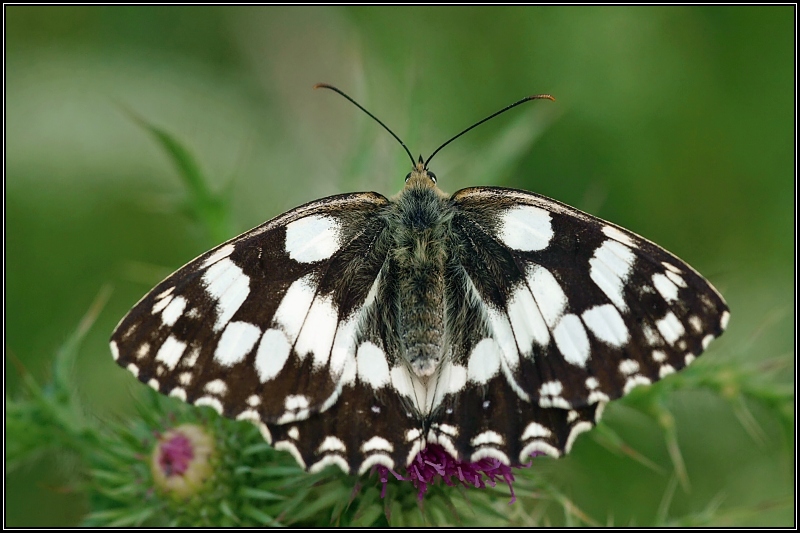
[357, 329]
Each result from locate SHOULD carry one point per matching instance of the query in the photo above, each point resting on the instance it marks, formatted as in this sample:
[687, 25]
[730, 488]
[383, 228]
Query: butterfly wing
[262, 327]
[556, 313]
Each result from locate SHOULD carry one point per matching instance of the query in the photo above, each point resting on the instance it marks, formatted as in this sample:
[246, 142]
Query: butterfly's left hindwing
[262, 327]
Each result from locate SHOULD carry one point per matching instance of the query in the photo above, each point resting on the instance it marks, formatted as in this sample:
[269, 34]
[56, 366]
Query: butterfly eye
[408, 176]
[432, 176]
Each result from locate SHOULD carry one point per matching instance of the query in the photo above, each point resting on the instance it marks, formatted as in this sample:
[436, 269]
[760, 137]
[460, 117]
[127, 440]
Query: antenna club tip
[322, 86]
[542, 97]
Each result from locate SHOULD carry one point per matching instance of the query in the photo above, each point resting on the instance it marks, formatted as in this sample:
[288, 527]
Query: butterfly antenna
[515, 104]
[376, 119]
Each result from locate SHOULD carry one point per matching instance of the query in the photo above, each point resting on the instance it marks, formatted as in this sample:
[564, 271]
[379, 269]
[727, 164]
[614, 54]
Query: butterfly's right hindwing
[263, 327]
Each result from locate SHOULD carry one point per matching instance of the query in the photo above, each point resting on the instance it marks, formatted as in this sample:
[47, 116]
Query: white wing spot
[597, 397]
[675, 278]
[330, 444]
[444, 441]
[723, 320]
[665, 370]
[373, 367]
[249, 414]
[551, 388]
[412, 434]
[287, 446]
[598, 411]
[294, 307]
[571, 339]
[178, 393]
[408, 385]
[448, 429]
[547, 292]
[696, 323]
[165, 293]
[666, 288]
[635, 381]
[526, 228]
[153, 383]
[236, 342]
[487, 437]
[329, 460]
[488, 452]
[294, 433]
[571, 416]
[272, 353]
[610, 267]
[312, 238]
[617, 235]
[220, 254]
[295, 402]
[211, 402]
[671, 267]
[377, 443]
[375, 409]
[376, 459]
[538, 446]
[191, 359]
[254, 400]
[451, 380]
[217, 387]
[485, 404]
[173, 311]
[707, 340]
[114, 350]
[143, 351]
[628, 367]
[229, 286]
[670, 327]
[526, 320]
[170, 352]
[592, 383]
[484, 361]
[504, 337]
[161, 304]
[659, 356]
[185, 378]
[319, 328]
[607, 324]
[535, 430]
[577, 429]
[689, 359]
[650, 335]
[344, 344]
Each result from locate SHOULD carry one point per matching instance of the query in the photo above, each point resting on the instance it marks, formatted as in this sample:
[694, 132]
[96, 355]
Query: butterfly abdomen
[420, 227]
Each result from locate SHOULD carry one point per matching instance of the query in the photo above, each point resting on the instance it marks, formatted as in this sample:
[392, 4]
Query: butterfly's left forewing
[557, 312]
[263, 327]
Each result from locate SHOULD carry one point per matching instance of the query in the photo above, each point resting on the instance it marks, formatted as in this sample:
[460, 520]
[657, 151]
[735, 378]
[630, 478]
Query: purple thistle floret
[176, 453]
[434, 463]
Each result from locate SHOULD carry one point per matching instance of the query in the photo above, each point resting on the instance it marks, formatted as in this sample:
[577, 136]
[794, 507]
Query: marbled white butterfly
[357, 329]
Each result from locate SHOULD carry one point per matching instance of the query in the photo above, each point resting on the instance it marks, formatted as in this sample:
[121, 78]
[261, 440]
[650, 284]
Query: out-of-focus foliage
[674, 122]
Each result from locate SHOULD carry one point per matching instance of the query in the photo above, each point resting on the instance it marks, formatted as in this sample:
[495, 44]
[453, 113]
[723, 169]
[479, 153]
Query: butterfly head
[420, 176]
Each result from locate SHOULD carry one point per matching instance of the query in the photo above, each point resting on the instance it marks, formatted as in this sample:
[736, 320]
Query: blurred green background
[675, 122]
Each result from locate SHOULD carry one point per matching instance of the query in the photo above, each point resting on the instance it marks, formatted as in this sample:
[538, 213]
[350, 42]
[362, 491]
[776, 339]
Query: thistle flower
[434, 463]
[181, 460]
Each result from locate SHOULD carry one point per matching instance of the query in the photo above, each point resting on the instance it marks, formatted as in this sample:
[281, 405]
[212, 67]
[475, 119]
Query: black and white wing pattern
[263, 327]
[356, 330]
[569, 312]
